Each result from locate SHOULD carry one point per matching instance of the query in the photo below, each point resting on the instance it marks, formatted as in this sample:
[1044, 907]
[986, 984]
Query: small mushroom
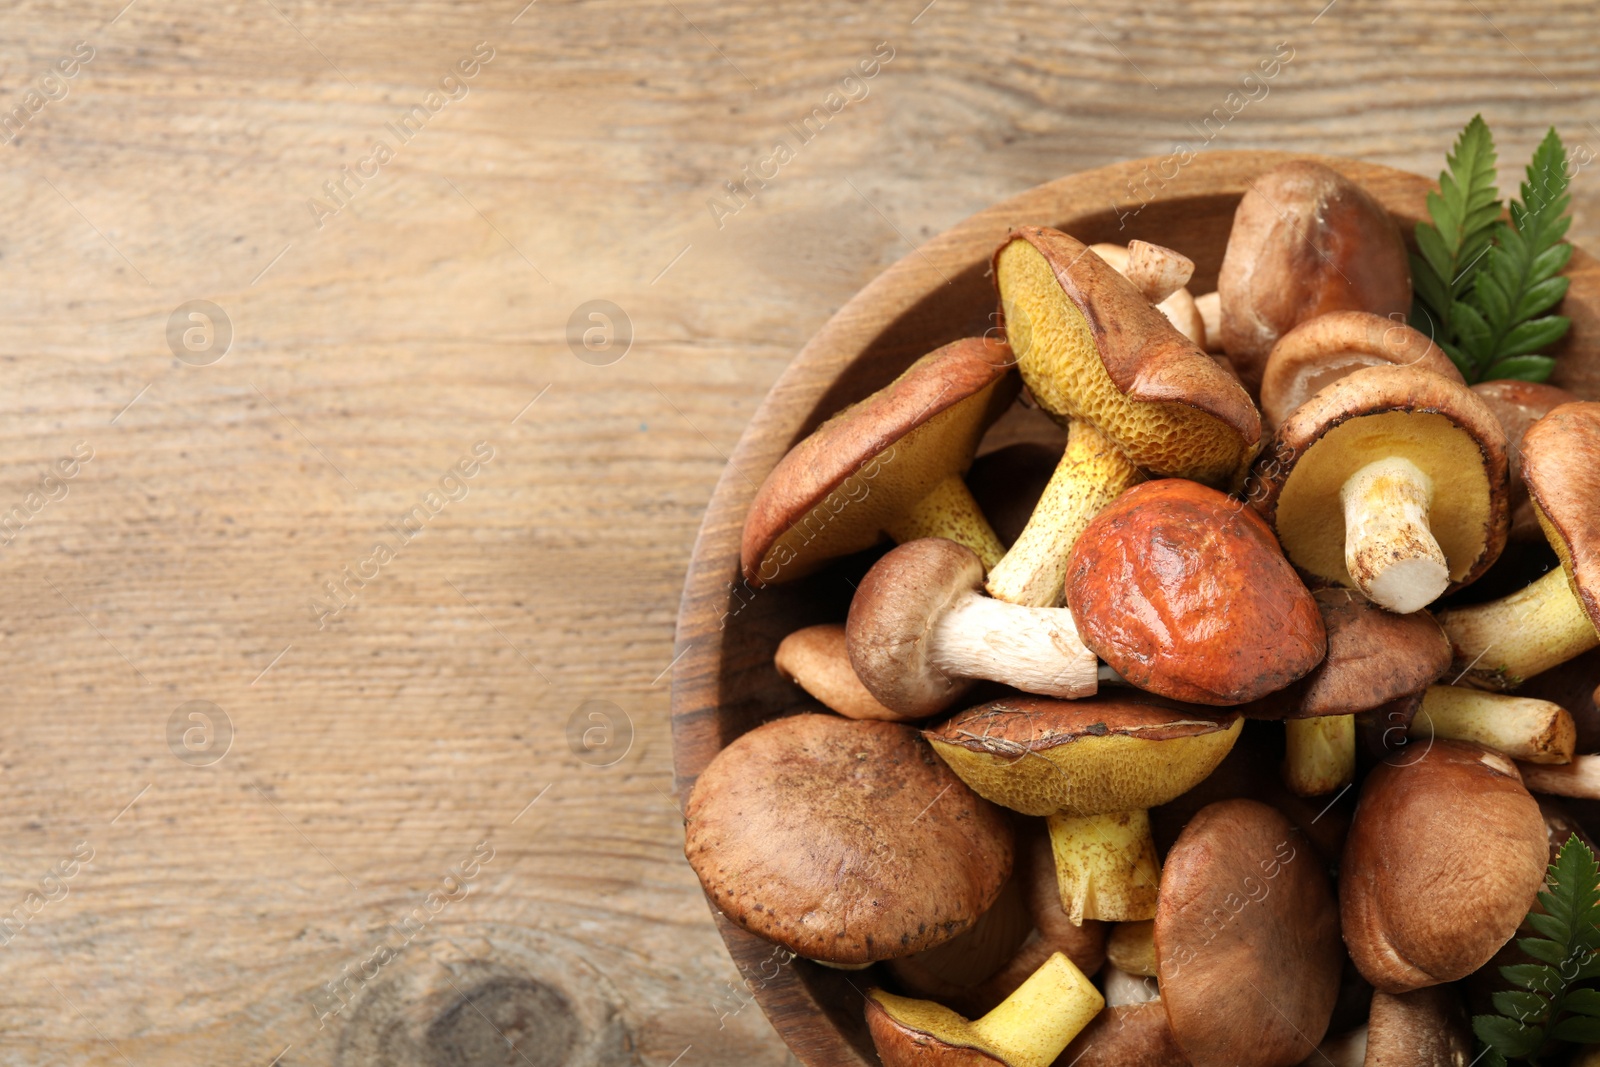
[1029, 1029]
[1135, 394]
[845, 841]
[1183, 591]
[1320, 351]
[1305, 241]
[1444, 858]
[1160, 275]
[1132, 947]
[1392, 481]
[1247, 939]
[1533, 731]
[1126, 1035]
[1518, 405]
[815, 658]
[1423, 1028]
[920, 629]
[1502, 643]
[888, 465]
[1093, 766]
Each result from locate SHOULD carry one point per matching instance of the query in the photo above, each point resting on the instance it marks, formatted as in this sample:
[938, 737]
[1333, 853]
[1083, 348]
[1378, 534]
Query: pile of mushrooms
[1210, 755]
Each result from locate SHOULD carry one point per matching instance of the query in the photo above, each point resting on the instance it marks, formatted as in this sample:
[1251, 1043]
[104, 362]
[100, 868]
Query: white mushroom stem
[1157, 271]
[949, 510]
[1106, 866]
[1036, 650]
[1580, 778]
[1523, 728]
[1320, 754]
[1507, 641]
[1389, 550]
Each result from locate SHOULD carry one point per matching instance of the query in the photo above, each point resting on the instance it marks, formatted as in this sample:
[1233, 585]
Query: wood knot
[513, 1021]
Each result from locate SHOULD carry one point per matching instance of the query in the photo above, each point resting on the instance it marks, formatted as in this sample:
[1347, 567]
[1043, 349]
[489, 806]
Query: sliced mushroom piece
[1093, 766]
[920, 629]
[815, 658]
[1392, 481]
[1518, 405]
[1126, 1035]
[1183, 591]
[1305, 241]
[1444, 858]
[844, 841]
[1247, 939]
[1504, 642]
[889, 465]
[1029, 1029]
[1532, 731]
[1160, 275]
[1135, 394]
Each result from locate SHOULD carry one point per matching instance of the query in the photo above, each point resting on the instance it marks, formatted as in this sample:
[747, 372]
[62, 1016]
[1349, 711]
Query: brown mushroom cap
[1126, 1035]
[1259, 990]
[845, 841]
[1320, 351]
[1561, 467]
[1423, 1028]
[1374, 656]
[815, 658]
[1372, 414]
[1518, 405]
[1183, 591]
[1444, 858]
[1305, 241]
[837, 491]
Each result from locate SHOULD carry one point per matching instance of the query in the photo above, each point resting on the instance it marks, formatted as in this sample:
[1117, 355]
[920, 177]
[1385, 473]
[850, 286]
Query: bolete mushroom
[1160, 275]
[815, 658]
[1518, 405]
[1444, 858]
[1532, 731]
[1126, 1035]
[1183, 591]
[1392, 481]
[1093, 766]
[1247, 939]
[1423, 1028]
[920, 629]
[1135, 394]
[845, 841]
[889, 465]
[1029, 1029]
[1305, 241]
[1504, 642]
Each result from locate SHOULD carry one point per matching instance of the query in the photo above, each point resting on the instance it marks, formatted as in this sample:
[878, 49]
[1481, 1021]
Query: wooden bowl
[725, 683]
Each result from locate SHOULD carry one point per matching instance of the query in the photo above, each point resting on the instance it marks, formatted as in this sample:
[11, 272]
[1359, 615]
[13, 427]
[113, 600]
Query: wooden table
[270, 790]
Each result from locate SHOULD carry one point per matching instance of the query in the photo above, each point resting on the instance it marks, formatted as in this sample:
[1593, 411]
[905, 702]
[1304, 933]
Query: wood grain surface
[437, 825]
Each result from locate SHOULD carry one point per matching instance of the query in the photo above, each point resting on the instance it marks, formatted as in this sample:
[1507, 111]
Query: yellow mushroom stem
[1503, 643]
[1319, 754]
[1106, 866]
[1523, 728]
[1389, 550]
[1092, 473]
[949, 510]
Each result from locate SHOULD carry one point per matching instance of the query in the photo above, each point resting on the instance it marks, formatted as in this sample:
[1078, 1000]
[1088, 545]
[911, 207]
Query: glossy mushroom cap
[1183, 591]
[861, 472]
[1247, 939]
[1518, 405]
[1444, 858]
[815, 658]
[844, 841]
[1561, 468]
[1305, 241]
[1374, 656]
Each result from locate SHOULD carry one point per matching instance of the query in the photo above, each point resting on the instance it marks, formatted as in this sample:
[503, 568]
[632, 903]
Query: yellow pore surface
[1310, 518]
[1091, 775]
[1060, 363]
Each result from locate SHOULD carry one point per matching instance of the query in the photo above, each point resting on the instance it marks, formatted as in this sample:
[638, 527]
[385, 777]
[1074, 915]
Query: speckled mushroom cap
[1259, 991]
[836, 491]
[1370, 414]
[1374, 656]
[1183, 591]
[1561, 467]
[1518, 405]
[843, 840]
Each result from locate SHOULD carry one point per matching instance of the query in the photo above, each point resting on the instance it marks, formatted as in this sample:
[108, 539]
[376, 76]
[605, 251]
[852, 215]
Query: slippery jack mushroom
[815, 658]
[1135, 394]
[1518, 405]
[1391, 481]
[888, 465]
[1028, 1029]
[1504, 642]
[1160, 274]
[1093, 767]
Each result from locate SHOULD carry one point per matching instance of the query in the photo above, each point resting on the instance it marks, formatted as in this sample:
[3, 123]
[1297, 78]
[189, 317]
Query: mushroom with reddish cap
[889, 465]
[1533, 731]
[1183, 591]
[844, 841]
[1093, 766]
[815, 658]
[1160, 275]
[1246, 938]
[1392, 481]
[1305, 241]
[1445, 856]
[1029, 1029]
[1518, 405]
[1135, 394]
[1503, 642]
[920, 629]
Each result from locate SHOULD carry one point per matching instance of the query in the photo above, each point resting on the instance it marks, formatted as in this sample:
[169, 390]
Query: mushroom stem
[1320, 754]
[1580, 778]
[949, 511]
[1210, 307]
[1043, 1015]
[1389, 551]
[1093, 472]
[1106, 866]
[1503, 643]
[1036, 650]
[1523, 728]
